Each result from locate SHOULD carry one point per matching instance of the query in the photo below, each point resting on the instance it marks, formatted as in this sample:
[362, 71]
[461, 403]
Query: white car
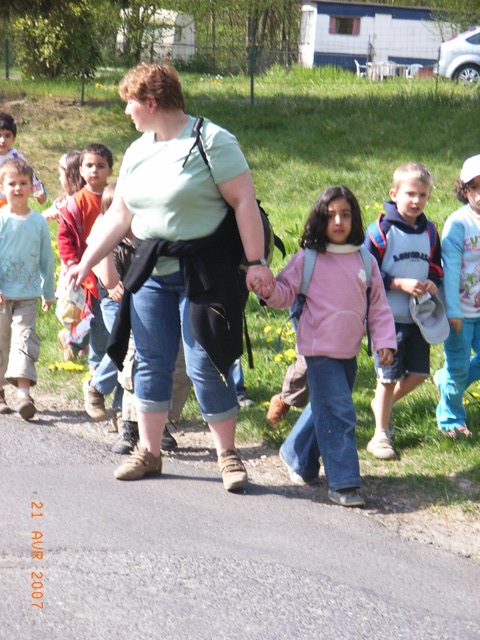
[460, 57]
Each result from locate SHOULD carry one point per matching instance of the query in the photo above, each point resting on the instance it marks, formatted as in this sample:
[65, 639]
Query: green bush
[61, 45]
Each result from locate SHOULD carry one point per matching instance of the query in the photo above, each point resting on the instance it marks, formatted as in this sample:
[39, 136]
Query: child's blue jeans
[459, 371]
[327, 425]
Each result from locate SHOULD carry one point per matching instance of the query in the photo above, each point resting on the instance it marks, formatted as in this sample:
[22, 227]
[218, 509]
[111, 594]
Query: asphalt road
[179, 558]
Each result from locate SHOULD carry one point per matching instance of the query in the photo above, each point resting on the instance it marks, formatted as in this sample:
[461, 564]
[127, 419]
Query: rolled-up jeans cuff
[152, 406]
[220, 417]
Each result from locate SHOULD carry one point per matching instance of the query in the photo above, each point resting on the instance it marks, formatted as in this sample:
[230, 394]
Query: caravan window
[344, 25]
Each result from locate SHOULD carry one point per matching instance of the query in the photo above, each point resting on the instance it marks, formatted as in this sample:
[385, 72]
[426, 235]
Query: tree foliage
[62, 44]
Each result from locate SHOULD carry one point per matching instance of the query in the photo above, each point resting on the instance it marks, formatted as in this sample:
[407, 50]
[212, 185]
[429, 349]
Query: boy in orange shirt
[77, 219]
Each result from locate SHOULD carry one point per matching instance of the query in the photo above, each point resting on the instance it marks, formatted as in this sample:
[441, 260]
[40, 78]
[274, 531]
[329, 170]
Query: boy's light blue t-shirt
[26, 257]
[173, 202]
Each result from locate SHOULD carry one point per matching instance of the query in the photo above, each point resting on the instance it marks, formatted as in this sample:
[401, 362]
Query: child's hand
[116, 294]
[409, 285]
[456, 324]
[2, 299]
[46, 304]
[40, 197]
[430, 287]
[266, 290]
[260, 280]
[51, 213]
[385, 356]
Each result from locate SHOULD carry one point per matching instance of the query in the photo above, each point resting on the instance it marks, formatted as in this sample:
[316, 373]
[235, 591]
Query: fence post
[252, 75]
[82, 97]
[7, 58]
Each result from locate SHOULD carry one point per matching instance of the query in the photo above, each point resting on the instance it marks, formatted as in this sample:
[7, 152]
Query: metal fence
[213, 60]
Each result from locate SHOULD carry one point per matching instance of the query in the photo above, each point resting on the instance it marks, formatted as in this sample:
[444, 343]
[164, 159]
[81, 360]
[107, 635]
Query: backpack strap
[308, 267]
[432, 236]
[377, 237]
[197, 134]
[367, 263]
[297, 306]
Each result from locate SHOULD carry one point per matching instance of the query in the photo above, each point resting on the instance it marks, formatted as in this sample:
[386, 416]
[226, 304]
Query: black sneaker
[168, 441]
[128, 438]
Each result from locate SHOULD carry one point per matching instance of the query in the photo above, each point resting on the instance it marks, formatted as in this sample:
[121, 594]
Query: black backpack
[271, 239]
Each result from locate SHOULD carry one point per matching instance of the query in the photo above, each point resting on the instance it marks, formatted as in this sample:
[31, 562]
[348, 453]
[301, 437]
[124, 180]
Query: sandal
[452, 433]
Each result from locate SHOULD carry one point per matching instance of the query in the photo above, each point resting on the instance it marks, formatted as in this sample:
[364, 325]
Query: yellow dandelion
[267, 329]
[278, 357]
[65, 366]
[290, 354]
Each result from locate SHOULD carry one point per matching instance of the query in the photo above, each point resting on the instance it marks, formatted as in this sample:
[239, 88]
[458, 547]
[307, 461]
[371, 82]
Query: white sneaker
[381, 446]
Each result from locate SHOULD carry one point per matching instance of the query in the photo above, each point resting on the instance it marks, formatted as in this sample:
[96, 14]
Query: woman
[177, 206]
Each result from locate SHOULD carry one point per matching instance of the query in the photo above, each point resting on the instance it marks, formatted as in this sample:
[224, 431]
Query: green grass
[308, 129]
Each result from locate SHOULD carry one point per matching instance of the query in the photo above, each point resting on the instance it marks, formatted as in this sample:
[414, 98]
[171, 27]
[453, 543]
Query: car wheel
[467, 73]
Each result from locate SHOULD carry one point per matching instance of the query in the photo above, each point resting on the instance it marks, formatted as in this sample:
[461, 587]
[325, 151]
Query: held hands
[385, 356]
[260, 280]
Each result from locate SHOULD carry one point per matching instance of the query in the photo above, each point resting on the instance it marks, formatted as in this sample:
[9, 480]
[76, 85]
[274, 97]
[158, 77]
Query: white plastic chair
[412, 70]
[361, 69]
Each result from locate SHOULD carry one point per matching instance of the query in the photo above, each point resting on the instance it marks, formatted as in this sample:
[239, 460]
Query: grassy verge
[309, 129]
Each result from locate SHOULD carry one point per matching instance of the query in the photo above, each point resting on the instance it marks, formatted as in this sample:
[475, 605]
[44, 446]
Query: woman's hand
[77, 273]
[260, 280]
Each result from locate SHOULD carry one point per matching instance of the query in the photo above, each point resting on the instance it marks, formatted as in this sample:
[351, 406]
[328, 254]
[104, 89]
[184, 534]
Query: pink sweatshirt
[333, 318]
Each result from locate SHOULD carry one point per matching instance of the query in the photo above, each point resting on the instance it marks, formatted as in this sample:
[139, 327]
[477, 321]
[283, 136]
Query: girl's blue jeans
[459, 371]
[160, 315]
[326, 427]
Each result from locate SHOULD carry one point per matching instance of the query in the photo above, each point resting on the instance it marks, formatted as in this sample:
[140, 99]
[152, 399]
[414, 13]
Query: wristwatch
[253, 263]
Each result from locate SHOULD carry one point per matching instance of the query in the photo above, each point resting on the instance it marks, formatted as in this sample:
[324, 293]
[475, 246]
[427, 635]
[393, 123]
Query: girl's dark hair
[461, 189]
[315, 231]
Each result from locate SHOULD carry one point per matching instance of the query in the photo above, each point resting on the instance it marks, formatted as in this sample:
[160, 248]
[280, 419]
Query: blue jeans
[300, 450]
[331, 413]
[160, 313]
[238, 377]
[459, 371]
[104, 378]
[98, 336]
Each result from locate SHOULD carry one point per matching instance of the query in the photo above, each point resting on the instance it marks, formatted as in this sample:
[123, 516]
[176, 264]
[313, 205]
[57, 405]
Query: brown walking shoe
[234, 474]
[4, 408]
[26, 408]
[139, 464]
[277, 410]
[94, 402]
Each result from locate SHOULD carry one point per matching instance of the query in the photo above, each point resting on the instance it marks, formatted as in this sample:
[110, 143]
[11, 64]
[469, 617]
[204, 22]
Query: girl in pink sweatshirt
[329, 335]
